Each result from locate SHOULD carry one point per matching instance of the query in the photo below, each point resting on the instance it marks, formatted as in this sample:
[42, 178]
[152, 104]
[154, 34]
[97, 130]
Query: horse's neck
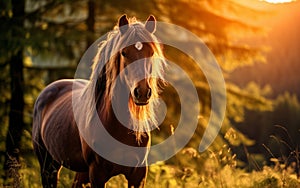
[119, 128]
[110, 119]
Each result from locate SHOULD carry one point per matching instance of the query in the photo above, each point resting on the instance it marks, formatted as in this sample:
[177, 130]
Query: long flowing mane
[100, 88]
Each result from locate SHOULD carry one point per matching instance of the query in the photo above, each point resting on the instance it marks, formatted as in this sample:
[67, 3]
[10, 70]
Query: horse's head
[128, 72]
[136, 59]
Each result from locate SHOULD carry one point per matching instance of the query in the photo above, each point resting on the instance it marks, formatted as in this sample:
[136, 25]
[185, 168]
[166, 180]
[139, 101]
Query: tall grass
[213, 168]
[219, 170]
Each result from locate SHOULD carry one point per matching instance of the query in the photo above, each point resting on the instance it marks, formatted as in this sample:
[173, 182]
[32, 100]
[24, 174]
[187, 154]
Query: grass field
[217, 171]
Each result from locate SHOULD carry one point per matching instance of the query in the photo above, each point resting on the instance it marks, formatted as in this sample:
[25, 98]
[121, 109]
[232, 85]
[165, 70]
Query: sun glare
[278, 1]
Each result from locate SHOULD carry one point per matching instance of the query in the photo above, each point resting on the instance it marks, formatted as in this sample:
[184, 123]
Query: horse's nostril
[136, 93]
[149, 93]
[141, 94]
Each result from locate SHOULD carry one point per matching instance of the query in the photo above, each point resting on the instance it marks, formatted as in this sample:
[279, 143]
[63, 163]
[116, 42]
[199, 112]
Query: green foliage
[217, 171]
[236, 138]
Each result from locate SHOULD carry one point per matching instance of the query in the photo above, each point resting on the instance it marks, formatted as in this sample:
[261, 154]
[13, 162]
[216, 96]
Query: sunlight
[278, 1]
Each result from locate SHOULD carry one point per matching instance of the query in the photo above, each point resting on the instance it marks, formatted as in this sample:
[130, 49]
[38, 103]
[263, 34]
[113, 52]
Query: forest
[255, 44]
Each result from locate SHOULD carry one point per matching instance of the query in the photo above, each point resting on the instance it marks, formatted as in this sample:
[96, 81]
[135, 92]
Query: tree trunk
[16, 123]
[90, 22]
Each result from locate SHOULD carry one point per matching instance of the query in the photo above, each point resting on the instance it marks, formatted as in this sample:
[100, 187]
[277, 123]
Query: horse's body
[55, 100]
[56, 137]
[70, 151]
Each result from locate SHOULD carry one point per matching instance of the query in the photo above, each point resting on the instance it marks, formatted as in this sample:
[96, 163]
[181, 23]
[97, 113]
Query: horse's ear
[150, 24]
[123, 24]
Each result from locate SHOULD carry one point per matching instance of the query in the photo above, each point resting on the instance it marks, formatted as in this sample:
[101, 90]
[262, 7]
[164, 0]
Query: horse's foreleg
[137, 185]
[138, 177]
[81, 178]
[97, 176]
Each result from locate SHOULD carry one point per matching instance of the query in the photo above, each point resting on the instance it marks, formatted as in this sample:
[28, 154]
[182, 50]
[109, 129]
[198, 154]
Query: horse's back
[55, 90]
[54, 126]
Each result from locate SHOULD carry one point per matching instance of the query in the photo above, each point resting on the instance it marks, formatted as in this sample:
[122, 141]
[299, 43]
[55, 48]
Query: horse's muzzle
[141, 95]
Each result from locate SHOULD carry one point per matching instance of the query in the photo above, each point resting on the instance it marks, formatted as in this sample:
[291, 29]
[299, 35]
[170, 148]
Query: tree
[15, 62]
[19, 43]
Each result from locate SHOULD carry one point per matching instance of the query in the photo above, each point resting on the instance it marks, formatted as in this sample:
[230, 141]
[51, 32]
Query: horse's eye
[123, 53]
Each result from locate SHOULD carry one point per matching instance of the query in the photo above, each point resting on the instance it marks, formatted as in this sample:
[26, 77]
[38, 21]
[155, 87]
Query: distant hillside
[282, 70]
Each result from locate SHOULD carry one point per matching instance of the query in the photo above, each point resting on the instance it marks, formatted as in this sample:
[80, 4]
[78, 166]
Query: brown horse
[67, 111]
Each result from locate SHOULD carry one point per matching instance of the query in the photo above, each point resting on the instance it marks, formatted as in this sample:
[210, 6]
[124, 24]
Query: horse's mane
[99, 90]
